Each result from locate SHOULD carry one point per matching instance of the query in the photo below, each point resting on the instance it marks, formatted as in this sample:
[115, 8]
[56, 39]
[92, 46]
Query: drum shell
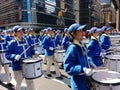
[113, 63]
[39, 49]
[59, 55]
[32, 70]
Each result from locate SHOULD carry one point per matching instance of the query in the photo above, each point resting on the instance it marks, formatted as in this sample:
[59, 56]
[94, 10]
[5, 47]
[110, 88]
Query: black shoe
[10, 85]
[59, 77]
[48, 76]
[0, 81]
[45, 63]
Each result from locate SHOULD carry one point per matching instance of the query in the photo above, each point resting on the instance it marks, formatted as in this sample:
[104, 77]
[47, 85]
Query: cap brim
[99, 30]
[108, 28]
[81, 27]
[19, 29]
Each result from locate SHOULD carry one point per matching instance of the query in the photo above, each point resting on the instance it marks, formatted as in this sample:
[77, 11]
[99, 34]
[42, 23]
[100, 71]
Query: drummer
[49, 46]
[9, 35]
[3, 61]
[94, 48]
[14, 50]
[105, 39]
[66, 39]
[58, 39]
[33, 38]
[75, 61]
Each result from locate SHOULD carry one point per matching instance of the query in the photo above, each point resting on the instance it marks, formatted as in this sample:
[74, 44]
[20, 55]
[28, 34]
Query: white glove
[37, 53]
[17, 57]
[51, 48]
[88, 71]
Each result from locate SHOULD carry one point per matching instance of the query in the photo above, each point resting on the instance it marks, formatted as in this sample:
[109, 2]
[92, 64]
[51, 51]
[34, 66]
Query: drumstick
[100, 69]
[23, 52]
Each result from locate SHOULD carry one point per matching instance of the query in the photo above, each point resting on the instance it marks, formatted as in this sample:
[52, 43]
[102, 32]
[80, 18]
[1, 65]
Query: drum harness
[23, 45]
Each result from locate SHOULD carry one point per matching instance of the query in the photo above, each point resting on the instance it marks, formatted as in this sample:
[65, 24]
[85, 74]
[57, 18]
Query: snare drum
[38, 48]
[106, 80]
[59, 55]
[113, 62]
[32, 68]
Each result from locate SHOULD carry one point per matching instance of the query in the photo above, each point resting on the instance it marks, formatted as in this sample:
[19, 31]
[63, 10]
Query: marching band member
[66, 39]
[9, 36]
[105, 39]
[4, 61]
[26, 33]
[14, 50]
[65, 42]
[58, 39]
[48, 45]
[33, 39]
[75, 61]
[94, 48]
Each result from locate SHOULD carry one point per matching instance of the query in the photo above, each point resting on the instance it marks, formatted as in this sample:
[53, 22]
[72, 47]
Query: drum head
[113, 57]
[107, 77]
[31, 60]
[59, 51]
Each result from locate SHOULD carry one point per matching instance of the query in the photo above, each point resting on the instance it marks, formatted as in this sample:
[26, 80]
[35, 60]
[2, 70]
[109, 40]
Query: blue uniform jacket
[14, 48]
[46, 44]
[105, 42]
[94, 51]
[58, 40]
[9, 38]
[3, 44]
[33, 40]
[74, 61]
[65, 42]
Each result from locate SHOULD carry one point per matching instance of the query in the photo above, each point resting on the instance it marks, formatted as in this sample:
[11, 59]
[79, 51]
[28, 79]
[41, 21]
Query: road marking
[58, 81]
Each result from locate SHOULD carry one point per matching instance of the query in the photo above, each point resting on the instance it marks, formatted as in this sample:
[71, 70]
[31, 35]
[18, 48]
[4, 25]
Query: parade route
[41, 83]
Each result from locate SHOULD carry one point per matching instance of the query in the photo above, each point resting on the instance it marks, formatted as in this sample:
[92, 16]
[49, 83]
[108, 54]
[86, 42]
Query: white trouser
[50, 60]
[5, 62]
[18, 75]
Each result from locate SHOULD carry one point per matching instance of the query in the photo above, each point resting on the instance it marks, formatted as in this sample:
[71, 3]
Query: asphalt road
[41, 83]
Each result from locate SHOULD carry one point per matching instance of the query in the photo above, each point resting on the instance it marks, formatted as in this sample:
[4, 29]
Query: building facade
[36, 13]
[90, 12]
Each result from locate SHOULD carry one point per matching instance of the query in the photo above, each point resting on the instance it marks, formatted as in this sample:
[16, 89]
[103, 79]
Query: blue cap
[49, 29]
[94, 30]
[17, 28]
[65, 29]
[75, 27]
[26, 30]
[44, 30]
[9, 30]
[105, 28]
[30, 29]
[58, 31]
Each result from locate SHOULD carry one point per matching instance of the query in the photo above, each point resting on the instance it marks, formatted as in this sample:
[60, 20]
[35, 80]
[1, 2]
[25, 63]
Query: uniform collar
[16, 38]
[66, 35]
[105, 34]
[49, 35]
[76, 42]
[92, 37]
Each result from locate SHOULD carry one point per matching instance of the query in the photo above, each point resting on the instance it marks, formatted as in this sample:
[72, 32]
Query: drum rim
[34, 77]
[60, 51]
[104, 84]
[112, 58]
[31, 62]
